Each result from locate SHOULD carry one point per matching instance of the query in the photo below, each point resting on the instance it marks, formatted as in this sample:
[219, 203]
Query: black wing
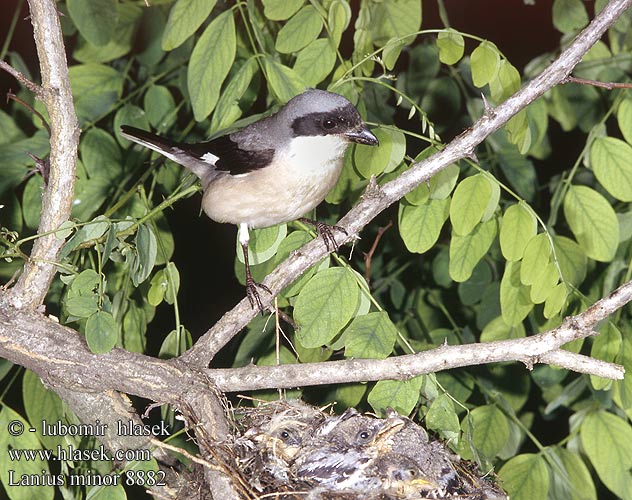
[232, 158]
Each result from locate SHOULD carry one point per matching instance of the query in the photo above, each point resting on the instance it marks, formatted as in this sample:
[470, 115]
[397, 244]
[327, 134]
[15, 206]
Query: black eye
[364, 436]
[328, 124]
[285, 434]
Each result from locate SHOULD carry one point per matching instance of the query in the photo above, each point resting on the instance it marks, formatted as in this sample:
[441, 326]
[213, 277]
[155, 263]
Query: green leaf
[489, 429]
[40, 404]
[119, 45]
[623, 388]
[555, 301]
[84, 79]
[315, 61]
[470, 290]
[484, 63]
[134, 329]
[572, 260]
[32, 201]
[85, 283]
[466, 251]
[451, 46]
[517, 229]
[497, 329]
[338, 18]
[9, 419]
[173, 280]
[300, 31]
[606, 347]
[160, 107]
[519, 171]
[515, 301]
[506, 83]
[129, 115]
[443, 182]
[283, 81]
[545, 285]
[110, 492]
[175, 343]
[607, 440]
[525, 477]
[420, 226]
[370, 336]
[394, 18]
[469, 202]
[101, 155]
[535, 258]
[211, 60]
[280, 10]
[569, 15]
[574, 482]
[624, 119]
[325, 305]
[611, 160]
[263, 243]
[184, 18]
[101, 332]
[147, 249]
[82, 306]
[95, 19]
[441, 417]
[402, 396]
[157, 288]
[386, 157]
[292, 242]
[593, 222]
[228, 109]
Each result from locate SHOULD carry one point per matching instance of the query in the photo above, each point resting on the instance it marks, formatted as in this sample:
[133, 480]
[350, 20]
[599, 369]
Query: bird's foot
[253, 294]
[327, 232]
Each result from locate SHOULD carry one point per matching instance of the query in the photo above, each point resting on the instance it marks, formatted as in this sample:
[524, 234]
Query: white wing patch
[209, 158]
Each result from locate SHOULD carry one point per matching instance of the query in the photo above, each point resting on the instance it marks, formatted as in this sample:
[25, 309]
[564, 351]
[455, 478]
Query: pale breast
[309, 170]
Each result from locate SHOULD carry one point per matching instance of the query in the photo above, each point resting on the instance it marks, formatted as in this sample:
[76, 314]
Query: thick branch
[540, 348]
[60, 356]
[56, 94]
[376, 199]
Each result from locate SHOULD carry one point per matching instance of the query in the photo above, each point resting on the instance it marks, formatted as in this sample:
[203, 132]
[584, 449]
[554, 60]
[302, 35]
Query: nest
[290, 450]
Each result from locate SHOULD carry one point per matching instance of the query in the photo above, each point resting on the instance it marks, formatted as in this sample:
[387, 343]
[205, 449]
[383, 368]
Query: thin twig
[13, 97]
[597, 83]
[33, 87]
[369, 255]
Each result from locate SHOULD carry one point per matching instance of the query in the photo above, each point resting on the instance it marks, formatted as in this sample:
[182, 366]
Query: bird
[274, 170]
[342, 451]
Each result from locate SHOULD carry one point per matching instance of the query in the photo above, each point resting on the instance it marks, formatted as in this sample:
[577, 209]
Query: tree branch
[540, 348]
[33, 284]
[61, 357]
[33, 87]
[376, 198]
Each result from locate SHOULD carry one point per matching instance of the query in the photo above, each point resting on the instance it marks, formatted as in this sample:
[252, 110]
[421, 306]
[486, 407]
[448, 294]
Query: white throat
[317, 152]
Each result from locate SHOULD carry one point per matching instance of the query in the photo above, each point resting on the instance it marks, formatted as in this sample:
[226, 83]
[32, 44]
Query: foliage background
[537, 231]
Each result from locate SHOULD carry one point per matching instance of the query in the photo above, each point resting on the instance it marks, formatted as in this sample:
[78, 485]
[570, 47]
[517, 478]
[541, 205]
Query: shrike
[274, 170]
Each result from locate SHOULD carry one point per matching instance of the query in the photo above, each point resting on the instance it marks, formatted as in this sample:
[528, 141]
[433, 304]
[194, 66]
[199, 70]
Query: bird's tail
[178, 152]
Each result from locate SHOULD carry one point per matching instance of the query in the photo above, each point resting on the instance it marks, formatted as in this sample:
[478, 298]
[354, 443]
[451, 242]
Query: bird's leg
[325, 230]
[251, 284]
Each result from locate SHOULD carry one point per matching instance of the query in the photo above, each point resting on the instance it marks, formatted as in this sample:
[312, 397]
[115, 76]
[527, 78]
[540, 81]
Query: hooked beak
[362, 136]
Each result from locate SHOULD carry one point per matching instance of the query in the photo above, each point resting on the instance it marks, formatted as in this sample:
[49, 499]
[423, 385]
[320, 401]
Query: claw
[253, 294]
[325, 230]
